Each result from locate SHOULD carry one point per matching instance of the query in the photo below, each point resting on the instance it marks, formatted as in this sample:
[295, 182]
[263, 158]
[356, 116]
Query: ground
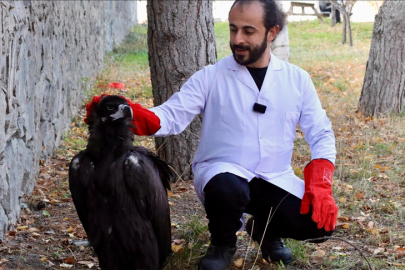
[49, 234]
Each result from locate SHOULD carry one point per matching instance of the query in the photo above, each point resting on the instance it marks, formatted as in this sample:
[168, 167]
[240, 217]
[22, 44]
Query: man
[252, 102]
[326, 6]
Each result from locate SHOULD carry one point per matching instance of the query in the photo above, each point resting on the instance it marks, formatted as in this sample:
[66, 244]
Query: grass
[369, 173]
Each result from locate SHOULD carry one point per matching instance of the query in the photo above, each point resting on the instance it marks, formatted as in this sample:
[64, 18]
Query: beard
[254, 52]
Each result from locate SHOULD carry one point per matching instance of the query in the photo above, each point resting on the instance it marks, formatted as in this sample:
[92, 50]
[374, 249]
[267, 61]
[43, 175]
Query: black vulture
[119, 191]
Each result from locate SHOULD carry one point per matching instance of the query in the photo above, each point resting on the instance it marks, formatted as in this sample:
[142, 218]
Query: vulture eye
[110, 108]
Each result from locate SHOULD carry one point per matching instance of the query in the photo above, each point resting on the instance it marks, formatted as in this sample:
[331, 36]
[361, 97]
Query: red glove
[145, 121]
[90, 106]
[318, 176]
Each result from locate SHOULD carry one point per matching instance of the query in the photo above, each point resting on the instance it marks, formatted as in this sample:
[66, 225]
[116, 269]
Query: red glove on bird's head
[145, 121]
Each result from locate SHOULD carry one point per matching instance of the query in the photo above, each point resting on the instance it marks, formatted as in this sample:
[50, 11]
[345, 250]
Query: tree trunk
[333, 15]
[181, 41]
[383, 87]
[349, 27]
[344, 25]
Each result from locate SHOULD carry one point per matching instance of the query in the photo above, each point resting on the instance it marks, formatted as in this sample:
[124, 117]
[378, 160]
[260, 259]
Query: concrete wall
[49, 50]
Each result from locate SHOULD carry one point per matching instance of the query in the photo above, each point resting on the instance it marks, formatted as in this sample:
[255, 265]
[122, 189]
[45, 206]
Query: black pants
[228, 196]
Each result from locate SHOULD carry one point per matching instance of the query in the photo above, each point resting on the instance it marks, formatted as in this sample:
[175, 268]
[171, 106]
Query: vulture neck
[108, 140]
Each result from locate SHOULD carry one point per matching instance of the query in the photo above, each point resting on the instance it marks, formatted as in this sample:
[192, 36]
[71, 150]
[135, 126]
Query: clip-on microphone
[260, 108]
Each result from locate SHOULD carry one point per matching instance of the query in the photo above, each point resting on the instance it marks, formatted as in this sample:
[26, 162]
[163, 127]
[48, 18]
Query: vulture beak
[124, 111]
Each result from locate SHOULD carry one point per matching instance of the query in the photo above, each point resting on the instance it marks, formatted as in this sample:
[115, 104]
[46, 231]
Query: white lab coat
[238, 140]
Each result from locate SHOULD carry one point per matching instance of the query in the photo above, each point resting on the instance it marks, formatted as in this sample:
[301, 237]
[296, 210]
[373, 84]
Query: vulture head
[109, 109]
[109, 114]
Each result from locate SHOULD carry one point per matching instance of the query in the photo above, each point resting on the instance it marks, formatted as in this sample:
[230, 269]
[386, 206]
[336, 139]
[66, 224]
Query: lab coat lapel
[242, 74]
[271, 74]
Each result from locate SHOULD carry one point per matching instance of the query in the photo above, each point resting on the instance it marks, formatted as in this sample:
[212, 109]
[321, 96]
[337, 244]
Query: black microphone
[260, 108]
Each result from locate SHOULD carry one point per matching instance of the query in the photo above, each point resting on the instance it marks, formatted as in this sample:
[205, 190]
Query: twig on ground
[261, 241]
[157, 150]
[344, 240]
[269, 218]
[180, 177]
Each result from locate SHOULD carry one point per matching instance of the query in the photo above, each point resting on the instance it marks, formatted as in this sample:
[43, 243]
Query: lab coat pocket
[290, 124]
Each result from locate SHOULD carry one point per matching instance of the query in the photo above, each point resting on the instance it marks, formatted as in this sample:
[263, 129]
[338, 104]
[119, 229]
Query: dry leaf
[342, 200]
[318, 253]
[65, 265]
[378, 250]
[69, 260]
[343, 226]
[359, 195]
[177, 248]
[70, 230]
[400, 254]
[44, 259]
[370, 225]
[178, 241]
[22, 228]
[239, 262]
[87, 263]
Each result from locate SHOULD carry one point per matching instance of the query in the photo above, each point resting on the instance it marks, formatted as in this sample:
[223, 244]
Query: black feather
[119, 191]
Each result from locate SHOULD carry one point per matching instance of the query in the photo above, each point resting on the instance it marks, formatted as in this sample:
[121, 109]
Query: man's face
[246, 55]
[249, 39]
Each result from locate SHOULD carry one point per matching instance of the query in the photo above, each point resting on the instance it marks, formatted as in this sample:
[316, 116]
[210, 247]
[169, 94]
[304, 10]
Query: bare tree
[345, 8]
[181, 41]
[384, 83]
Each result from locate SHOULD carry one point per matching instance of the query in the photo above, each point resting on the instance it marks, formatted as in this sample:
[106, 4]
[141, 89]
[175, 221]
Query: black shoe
[272, 249]
[276, 251]
[217, 258]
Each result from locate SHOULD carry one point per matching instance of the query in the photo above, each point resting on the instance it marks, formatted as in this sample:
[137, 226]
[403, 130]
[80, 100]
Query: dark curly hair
[273, 14]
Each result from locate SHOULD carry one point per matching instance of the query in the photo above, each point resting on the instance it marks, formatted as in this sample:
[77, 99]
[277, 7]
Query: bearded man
[252, 102]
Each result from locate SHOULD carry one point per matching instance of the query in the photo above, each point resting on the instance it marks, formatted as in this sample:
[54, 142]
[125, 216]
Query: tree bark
[181, 41]
[333, 15]
[383, 87]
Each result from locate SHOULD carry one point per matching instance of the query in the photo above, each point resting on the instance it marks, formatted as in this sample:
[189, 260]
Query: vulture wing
[80, 172]
[148, 177]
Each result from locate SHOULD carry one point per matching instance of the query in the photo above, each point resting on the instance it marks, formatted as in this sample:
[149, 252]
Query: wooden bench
[303, 13]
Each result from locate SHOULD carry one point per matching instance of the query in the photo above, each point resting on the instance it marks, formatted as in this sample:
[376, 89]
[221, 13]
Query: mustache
[240, 47]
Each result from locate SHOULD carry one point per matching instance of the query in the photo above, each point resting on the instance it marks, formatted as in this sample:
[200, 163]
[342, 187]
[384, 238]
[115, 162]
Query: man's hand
[145, 121]
[318, 176]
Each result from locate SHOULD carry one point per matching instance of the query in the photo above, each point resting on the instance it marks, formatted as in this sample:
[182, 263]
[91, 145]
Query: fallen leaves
[88, 264]
[239, 262]
[178, 245]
